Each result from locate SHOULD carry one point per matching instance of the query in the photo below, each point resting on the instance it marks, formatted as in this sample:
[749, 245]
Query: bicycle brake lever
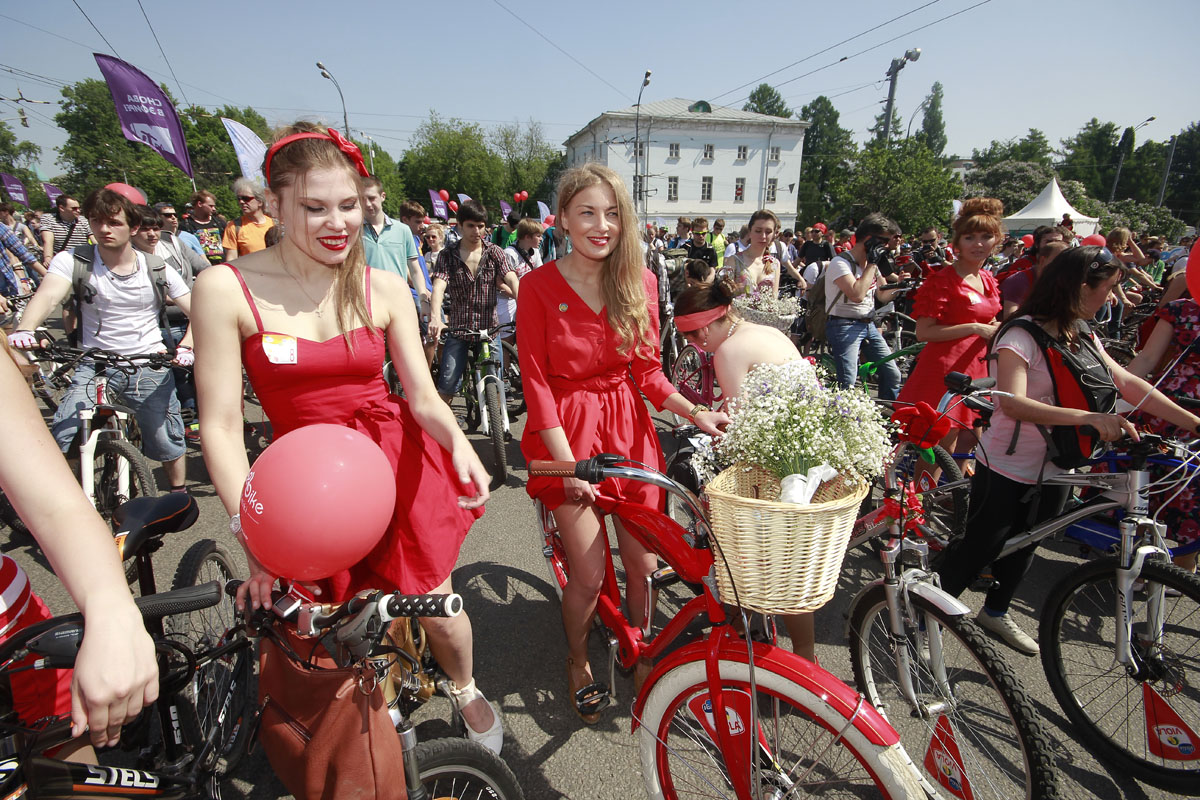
[358, 634]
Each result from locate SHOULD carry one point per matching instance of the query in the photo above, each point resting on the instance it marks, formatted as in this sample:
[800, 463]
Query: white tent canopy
[1047, 209]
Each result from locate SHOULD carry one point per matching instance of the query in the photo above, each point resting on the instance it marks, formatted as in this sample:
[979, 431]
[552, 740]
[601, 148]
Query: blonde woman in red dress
[956, 310]
[587, 330]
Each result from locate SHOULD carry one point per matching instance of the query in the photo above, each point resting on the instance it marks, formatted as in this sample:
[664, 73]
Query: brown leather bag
[324, 736]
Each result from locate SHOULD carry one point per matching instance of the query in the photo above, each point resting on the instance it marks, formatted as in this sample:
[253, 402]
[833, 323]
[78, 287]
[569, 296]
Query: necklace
[733, 327]
[316, 303]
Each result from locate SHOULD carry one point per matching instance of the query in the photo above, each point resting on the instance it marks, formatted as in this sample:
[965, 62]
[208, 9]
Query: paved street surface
[519, 654]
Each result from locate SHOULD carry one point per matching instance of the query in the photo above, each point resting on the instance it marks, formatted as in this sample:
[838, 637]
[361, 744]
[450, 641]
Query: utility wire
[112, 49]
[164, 55]
[542, 36]
[827, 49]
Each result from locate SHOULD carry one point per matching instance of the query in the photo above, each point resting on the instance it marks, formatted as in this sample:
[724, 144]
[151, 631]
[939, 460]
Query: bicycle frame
[486, 369]
[104, 420]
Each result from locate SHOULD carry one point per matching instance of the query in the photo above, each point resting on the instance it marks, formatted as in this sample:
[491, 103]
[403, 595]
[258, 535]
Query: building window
[743, 151]
[706, 186]
[774, 155]
[708, 151]
[673, 150]
[772, 188]
[739, 190]
[673, 189]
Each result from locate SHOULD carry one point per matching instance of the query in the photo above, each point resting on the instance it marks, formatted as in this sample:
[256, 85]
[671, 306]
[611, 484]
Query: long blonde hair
[290, 166]
[621, 284]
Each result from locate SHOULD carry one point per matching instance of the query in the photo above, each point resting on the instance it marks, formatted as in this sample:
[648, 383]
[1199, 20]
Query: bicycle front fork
[412, 770]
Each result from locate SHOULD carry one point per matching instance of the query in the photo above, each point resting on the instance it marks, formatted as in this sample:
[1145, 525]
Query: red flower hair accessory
[348, 148]
[921, 424]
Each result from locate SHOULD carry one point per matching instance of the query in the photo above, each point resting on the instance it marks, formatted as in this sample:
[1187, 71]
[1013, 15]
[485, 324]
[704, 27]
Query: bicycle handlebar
[71, 356]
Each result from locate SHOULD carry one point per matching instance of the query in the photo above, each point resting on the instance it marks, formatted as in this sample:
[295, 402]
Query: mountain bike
[722, 715]
[485, 394]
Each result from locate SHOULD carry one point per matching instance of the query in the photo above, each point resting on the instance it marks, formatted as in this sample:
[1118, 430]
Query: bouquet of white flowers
[786, 422]
[766, 309]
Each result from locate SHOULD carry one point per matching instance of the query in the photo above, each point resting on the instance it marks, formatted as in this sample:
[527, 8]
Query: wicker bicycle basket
[782, 322]
[784, 558]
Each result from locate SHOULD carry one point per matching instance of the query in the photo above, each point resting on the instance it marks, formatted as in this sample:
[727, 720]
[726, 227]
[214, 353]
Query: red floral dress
[946, 298]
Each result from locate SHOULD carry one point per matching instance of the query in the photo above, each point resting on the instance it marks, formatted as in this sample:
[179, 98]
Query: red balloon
[516, 197]
[442, 193]
[316, 501]
[134, 194]
[453, 205]
[427, 221]
[1027, 240]
[1193, 270]
[549, 220]
[1095, 239]
[524, 195]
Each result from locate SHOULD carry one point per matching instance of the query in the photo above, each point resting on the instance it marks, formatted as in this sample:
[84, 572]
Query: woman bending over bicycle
[1007, 495]
[115, 673]
[587, 330]
[706, 318]
[309, 321]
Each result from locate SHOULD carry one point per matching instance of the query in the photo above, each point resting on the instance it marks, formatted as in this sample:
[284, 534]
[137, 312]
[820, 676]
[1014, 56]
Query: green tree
[453, 155]
[1013, 183]
[905, 181]
[1033, 148]
[531, 163]
[385, 167]
[1090, 157]
[1141, 218]
[1077, 195]
[1183, 184]
[766, 99]
[213, 158]
[1141, 175]
[876, 129]
[933, 127]
[17, 158]
[829, 150]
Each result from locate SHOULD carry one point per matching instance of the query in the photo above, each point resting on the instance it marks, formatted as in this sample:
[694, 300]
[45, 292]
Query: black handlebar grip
[424, 605]
[180, 601]
[980, 384]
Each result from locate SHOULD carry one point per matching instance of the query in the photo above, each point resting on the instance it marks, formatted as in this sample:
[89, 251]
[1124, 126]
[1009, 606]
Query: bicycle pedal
[663, 577]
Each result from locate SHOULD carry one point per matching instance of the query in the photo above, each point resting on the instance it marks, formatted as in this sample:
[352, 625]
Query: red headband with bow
[348, 148]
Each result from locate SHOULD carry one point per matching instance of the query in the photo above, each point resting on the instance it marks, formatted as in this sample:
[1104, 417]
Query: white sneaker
[1004, 628]
[493, 737]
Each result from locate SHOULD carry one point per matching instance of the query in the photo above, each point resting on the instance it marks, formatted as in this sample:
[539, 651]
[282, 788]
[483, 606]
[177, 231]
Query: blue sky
[1006, 65]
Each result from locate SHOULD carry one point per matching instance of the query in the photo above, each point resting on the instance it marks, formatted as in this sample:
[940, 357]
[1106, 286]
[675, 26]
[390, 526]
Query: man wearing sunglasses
[62, 230]
[249, 233]
[697, 245]
[930, 254]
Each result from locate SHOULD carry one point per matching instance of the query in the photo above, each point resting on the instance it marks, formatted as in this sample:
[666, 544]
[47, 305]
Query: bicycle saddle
[146, 518]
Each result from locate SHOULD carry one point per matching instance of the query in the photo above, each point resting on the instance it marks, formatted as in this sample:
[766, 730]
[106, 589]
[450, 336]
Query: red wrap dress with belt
[331, 383]
[574, 376]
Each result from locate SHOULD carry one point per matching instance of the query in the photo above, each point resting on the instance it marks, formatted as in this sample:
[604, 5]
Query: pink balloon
[1193, 270]
[442, 193]
[316, 501]
[524, 195]
[549, 220]
[453, 205]
[134, 194]
[1027, 240]
[1094, 240]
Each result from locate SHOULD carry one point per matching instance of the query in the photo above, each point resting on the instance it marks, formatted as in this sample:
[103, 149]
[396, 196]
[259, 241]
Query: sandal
[588, 700]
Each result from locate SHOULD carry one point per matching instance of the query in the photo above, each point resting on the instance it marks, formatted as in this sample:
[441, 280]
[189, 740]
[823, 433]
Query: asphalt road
[519, 654]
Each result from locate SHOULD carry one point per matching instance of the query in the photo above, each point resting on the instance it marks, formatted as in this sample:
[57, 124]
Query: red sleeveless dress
[332, 384]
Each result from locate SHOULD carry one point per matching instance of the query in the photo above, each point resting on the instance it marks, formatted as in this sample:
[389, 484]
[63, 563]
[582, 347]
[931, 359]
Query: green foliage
[1076, 194]
[1141, 218]
[1183, 185]
[1033, 148]
[907, 182]
[876, 129]
[1013, 183]
[17, 158]
[213, 158]
[384, 167]
[829, 150]
[531, 164]
[766, 99]
[453, 155]
[933, 127]
[1091, 156]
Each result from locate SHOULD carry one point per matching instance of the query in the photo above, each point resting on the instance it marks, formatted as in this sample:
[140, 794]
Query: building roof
[679, 108]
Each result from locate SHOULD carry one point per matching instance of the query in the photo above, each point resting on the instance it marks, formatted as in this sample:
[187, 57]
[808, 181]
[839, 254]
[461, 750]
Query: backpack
[1081, 379]
[818, 309]
[83, 292]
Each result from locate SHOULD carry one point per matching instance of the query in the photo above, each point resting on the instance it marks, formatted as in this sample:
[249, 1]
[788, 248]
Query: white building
[697, 159]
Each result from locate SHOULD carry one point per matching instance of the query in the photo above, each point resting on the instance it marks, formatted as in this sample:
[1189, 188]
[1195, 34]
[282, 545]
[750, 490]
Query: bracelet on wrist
[696, 409]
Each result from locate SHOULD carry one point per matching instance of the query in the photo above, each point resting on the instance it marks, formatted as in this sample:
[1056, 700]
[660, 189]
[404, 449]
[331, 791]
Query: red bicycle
[789, 727]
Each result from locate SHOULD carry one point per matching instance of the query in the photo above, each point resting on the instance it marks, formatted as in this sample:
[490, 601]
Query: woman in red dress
[588, 336]
[309, 321]
[956, 310]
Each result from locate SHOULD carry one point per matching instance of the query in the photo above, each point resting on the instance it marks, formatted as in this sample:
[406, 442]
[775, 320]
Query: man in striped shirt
[62, 230]
[9, 283]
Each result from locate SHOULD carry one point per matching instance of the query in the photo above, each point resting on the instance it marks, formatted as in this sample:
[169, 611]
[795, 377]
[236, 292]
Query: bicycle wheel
[114, 456]
[220, 693]
[491, 395]
[458, 768]
[974, 721]
[687, 374]
[1145, 723]
[552, 548]
[9, 516]
[514, 390]
[806, 747]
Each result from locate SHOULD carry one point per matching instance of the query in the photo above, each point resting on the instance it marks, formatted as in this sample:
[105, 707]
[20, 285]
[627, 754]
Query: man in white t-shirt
[850, 295]
[122, 317]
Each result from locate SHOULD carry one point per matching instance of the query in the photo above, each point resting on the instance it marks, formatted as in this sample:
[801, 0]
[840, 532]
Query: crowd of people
[314, 284]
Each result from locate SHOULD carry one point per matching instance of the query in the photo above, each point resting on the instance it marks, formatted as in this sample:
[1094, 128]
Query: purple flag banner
[505, 209]
[543, 209]
[15, 189]
[439, 205]
[462, 198]
[52, 192]
[146, 114]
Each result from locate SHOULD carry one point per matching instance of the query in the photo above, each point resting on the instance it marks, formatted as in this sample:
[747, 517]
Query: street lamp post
[345, 117]
[638, 189]
[370, 148]
[892, 73]
[1121, 161]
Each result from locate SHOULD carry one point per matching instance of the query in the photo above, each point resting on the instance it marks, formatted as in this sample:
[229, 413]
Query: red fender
[786, 664]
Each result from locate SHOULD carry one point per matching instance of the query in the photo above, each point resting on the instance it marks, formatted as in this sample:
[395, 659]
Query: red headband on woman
[694, 322]
[348, 148]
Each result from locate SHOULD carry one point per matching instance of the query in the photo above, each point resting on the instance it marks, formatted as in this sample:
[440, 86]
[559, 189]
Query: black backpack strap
[1042, 339]
[82, 290]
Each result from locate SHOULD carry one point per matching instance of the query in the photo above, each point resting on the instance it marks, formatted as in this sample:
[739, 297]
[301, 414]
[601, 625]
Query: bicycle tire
[209, 690]
[995, 724]
[670, 734]
[552, 548]
[459, 768]
[107, 462]
[10, 517]
[491, 395]
[514, 389]
[1103, 701]
[688, 377]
